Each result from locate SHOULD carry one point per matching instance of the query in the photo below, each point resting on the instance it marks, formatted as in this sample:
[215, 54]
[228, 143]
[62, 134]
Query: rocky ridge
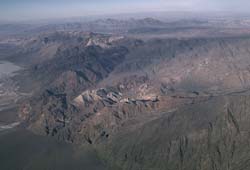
[124, 96]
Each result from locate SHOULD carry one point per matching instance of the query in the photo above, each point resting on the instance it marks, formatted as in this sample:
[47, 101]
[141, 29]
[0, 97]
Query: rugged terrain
[152, 103]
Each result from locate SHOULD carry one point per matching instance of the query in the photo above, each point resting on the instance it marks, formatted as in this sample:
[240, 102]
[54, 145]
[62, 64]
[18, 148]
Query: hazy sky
[37, 9]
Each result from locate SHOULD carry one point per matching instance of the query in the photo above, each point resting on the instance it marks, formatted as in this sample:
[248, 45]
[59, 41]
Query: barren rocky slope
[212, 135]
[156, 104]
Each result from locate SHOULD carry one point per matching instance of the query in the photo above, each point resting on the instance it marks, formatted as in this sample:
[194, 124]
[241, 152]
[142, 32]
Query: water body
[8, 68]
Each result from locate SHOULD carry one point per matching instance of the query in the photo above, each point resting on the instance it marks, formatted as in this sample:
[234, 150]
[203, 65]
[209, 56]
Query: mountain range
[154, 103]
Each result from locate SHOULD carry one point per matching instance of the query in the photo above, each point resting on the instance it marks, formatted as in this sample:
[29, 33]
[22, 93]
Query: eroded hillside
[152, 104]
